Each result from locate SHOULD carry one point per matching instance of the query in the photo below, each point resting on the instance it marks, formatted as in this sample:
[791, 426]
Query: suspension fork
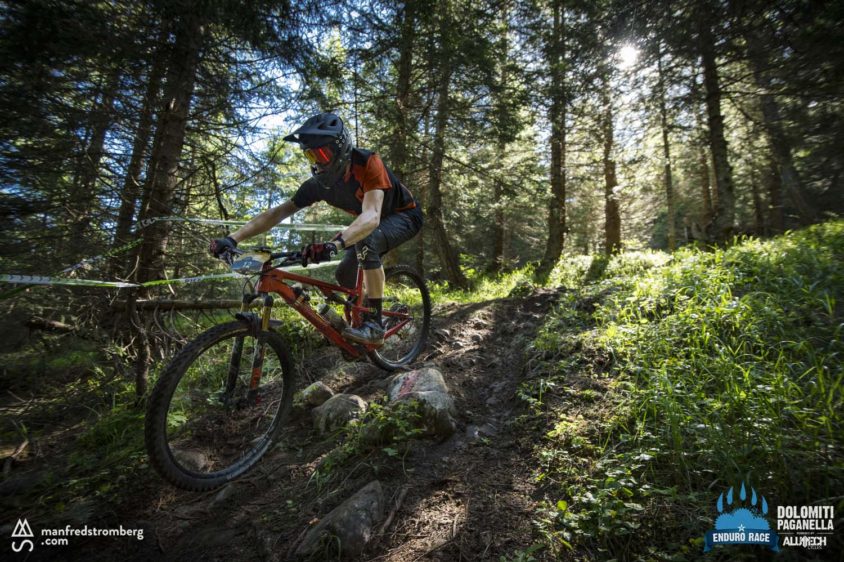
[237, 349]
[258, 351]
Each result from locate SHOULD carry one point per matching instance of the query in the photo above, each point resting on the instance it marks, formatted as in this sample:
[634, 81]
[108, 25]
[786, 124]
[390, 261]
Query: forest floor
[471, 496]
[568, 445]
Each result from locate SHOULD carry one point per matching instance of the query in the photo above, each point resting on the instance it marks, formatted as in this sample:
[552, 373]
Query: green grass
[718, 366]
[518, 282]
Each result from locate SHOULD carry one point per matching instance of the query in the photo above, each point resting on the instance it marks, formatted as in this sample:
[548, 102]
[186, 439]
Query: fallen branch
[36, 323]
[7, 465]
[389, 520]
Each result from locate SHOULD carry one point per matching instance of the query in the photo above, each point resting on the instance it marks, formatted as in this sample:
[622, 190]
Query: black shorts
[394, 230]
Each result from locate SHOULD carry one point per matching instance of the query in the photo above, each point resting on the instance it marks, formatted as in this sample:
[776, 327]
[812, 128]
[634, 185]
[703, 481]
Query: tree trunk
[777, 138]
[399, 150]
[84, 195]
[704, 160]
[172, 122]
[666, 154]
[705, 192]
[170, 134]
[724, 217]
[612, 224]
[132, 181]
[448, 257]
[423, 197]
[758, 211]
[557, 117]
[499, 226]
[776, 218]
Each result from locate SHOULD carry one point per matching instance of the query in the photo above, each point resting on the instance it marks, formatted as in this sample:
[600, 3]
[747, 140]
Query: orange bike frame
[273, 280]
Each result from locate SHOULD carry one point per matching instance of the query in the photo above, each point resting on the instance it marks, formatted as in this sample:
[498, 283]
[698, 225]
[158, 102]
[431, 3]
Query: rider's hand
[315, 253]
[221, 246]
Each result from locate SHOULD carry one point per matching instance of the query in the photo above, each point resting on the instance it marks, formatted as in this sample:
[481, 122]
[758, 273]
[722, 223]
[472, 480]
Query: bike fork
[258, 352]
[237, 352]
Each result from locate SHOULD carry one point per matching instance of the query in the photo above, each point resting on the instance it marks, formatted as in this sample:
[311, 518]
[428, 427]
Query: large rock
[428, 388]
[337, 411]
[192, 460]
[350, 526]
[316, 394]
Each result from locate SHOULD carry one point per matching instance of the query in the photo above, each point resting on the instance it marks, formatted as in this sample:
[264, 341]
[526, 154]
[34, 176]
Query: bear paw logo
[743, 524]
[742, 517]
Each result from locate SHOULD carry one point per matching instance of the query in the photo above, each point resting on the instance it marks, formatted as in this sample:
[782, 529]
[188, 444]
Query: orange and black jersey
[367, 172]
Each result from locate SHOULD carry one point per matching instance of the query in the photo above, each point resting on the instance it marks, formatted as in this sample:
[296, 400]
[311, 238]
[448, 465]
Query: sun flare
[627, 56]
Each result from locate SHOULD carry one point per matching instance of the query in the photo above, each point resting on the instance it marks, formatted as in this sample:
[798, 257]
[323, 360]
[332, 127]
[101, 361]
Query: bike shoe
[369, 333]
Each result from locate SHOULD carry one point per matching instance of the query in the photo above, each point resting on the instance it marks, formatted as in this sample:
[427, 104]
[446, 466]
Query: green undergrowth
[85, 434]
[84, 420]
[664, 380]
[568, 273]
[381, 436]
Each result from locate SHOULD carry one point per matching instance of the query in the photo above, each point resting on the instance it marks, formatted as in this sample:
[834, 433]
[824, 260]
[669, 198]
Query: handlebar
[289, 255]
[288, 258]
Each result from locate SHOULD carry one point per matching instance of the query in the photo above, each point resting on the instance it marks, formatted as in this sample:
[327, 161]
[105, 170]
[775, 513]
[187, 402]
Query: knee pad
[368, 257]
[346, 272]
[369, 250]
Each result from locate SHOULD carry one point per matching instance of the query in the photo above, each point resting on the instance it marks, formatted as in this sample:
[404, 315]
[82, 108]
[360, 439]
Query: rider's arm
[265, 221]
[367, 220]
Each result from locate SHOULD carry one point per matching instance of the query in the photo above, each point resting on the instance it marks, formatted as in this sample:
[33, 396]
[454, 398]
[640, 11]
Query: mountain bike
[220, 404]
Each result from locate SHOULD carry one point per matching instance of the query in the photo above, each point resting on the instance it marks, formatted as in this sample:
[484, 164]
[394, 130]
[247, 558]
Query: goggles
[321, 155]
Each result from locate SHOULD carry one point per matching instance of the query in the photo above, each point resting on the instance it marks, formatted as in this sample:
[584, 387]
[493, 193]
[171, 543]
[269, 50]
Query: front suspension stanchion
[258, 354]
[237, 352]
[266, 313]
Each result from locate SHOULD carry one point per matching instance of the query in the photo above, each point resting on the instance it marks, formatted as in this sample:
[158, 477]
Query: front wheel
[218, 406]
[406, 316]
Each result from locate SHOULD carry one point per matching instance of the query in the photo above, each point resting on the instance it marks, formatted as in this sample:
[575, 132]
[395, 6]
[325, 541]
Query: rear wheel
[218, 406]
[406, 315]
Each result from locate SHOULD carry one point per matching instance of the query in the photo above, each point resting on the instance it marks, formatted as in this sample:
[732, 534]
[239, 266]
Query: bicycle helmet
[327, 144]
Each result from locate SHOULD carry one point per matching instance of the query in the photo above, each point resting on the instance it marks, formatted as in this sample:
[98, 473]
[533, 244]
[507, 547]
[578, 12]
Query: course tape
[26, 280]
[186, 280]
[39, 280]
[83, 263]
[110, 253]
[303, 227]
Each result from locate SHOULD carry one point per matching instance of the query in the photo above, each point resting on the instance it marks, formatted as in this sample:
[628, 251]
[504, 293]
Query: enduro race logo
[742, 525]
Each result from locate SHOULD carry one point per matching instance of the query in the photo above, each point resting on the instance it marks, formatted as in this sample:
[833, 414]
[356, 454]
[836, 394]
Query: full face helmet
[327, 144]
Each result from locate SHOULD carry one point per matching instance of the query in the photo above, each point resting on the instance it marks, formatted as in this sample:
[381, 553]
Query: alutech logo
[22, 531]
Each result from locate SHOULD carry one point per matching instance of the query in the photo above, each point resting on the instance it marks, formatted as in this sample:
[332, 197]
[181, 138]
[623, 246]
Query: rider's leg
[373, 280]
[347, 270]
[393, 231]
[370, 332]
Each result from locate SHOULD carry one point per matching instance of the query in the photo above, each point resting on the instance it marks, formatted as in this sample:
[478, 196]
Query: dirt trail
[469, 497]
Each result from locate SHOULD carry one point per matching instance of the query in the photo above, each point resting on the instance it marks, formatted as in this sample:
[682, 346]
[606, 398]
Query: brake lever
[228, 256]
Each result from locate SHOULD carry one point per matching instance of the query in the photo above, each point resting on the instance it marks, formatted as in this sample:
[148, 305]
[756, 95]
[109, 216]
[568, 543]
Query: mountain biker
[356, 181]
